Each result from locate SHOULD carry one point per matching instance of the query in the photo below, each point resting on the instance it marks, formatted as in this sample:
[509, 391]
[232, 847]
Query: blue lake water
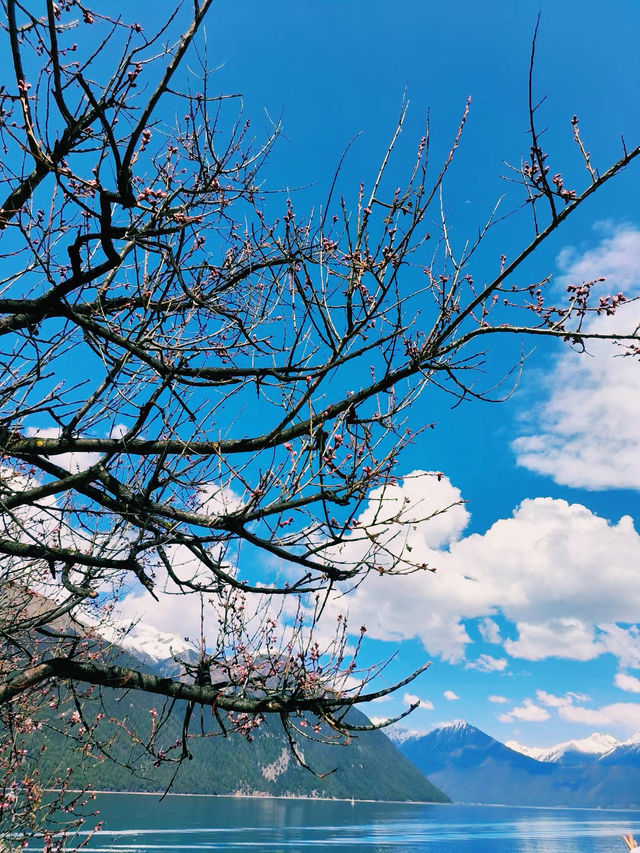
[135, 823]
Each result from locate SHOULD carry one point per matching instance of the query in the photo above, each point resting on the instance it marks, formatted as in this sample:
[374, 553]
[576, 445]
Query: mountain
[474, 768]
[398, 734]
[570, 752]
[626, 753]
[156, 649]
[370, 767]
[153, 646]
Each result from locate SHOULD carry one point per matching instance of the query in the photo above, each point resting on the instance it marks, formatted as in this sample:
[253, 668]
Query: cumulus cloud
[174, 608]
[626, 715]
[574, 639]
[570, 707]
[215, 499]
[528, 712]
[411, 699]
[561, 638]
[627, 682]
[450, 695]
[171, 610]
[44, 521]
[498, 700]
[549, 561]
[542, 569]
[418, 604]
[584, 433]
[623, 642]
[562, 577]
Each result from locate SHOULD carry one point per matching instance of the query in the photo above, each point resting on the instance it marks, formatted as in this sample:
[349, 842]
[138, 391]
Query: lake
[136, 823]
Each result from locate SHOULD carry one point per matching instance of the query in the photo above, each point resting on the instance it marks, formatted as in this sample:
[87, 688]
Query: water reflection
[140, 824]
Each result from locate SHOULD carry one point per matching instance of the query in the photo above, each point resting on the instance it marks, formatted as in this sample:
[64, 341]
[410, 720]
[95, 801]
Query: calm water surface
[136, 823]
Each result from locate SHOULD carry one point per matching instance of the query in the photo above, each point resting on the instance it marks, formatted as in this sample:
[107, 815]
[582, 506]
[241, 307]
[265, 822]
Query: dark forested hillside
[370, 767]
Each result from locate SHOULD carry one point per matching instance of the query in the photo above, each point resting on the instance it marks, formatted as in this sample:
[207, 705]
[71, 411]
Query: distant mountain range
[581, 751]
[472, 767]
[158, 650]
[458, 759]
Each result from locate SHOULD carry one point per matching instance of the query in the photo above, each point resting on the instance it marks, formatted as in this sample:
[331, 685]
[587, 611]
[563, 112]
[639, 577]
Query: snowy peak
[151, 645]
[472, 767]
[457, 729]
[530, 751]
[571, 751]
[457, 726]
[457, 735]
[398, 734]
[627, 752]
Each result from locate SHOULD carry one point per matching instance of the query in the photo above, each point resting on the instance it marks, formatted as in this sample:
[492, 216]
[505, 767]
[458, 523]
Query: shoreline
[259, 795]
[287, 798]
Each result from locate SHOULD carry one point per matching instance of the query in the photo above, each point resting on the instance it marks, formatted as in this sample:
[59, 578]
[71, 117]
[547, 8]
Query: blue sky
[542, 660]
[530, 618]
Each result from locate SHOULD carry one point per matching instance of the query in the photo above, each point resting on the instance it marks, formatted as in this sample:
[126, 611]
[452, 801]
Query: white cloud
[72, 462]
[555, 560]
[528, 712]
[570, 707]
[574, 639]
[404, 525]
[626, 715]
[622, 642]
[215, 499]
[562, 576]
[389, 697]
[562, 638]
[486, 663]
[490, 631]
[585, 432]
[552, 701]
[411, 699]
[44, 522]
[174, 611]
[498, 700]
[627, 682]
[419, 604]
[450, 695]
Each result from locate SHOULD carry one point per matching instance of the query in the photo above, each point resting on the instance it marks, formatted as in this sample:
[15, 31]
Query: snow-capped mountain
[145, 640]
[626, 753]
[398, 734]
[158, 649]
[474, 768]
[578, 751]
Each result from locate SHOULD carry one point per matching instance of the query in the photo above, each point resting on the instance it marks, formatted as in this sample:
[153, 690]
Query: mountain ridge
[473, 767]
[370, 767]
[592, 747]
